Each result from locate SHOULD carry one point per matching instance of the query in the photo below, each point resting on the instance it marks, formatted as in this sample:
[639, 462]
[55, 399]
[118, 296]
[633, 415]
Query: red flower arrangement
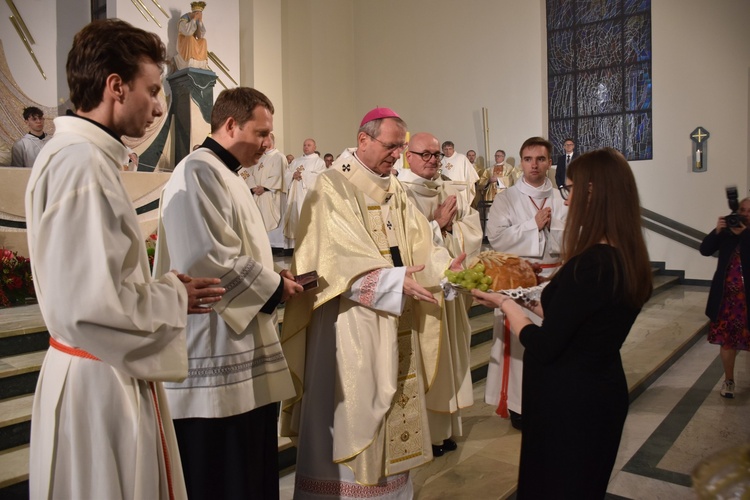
[16, 283]
[151, 249]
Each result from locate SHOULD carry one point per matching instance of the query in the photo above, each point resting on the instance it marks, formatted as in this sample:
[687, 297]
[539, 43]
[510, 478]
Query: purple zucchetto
[377, 114]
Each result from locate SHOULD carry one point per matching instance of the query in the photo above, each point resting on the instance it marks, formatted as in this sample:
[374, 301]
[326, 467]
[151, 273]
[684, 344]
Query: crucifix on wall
[700, 136]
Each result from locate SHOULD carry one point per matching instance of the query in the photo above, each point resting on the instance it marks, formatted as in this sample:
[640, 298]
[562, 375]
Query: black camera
[734, 219]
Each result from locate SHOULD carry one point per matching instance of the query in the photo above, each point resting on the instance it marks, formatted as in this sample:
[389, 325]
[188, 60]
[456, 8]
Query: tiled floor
[679, 420]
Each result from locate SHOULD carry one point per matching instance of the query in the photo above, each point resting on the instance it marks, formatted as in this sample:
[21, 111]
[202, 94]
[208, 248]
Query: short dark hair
[570, 139]
[536, 141]
[327, 155]
[32, 111]
[238, 103]
[447, 143]
[103, 48]
[500, 151]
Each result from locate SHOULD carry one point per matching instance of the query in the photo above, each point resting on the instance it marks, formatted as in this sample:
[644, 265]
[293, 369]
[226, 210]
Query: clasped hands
[445, 212]
[201, 292]
[543, 218]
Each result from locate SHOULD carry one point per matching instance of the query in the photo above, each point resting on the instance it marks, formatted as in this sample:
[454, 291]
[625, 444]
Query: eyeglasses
[389, 147]
[565, 191]
[426, 155]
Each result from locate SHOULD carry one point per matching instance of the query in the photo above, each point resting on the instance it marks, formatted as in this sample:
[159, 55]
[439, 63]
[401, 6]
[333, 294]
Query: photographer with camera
[728, 300]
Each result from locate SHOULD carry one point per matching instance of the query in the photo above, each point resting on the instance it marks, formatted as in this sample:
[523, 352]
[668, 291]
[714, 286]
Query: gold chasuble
[349, 223]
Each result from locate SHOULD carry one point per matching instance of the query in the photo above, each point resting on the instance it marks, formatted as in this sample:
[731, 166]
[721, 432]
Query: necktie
[567, 159]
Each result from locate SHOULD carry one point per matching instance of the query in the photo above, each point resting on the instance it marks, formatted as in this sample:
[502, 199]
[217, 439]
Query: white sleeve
[381, 289]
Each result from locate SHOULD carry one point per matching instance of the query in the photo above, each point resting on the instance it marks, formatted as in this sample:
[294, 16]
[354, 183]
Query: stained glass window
[599, 75]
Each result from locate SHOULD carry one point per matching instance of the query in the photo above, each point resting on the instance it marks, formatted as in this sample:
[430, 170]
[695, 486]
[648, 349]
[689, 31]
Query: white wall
[261, 54]
[701, 57]
[438, 62]
[319, 65]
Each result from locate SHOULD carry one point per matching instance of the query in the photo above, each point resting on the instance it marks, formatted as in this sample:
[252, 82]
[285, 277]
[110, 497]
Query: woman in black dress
[575, 396]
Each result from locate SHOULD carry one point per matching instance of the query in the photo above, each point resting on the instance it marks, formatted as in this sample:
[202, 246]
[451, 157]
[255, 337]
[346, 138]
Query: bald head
[419, 145]
[308, 147]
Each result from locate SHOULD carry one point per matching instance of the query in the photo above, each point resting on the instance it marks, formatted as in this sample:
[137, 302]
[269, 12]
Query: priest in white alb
[528, 220]
[299, 180]
[355, 342]
[458, 168]
[225, 411]
[456, 226]
[266, 181]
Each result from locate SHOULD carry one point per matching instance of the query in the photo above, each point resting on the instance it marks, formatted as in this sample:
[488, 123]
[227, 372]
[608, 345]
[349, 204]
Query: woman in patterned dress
[728, 299]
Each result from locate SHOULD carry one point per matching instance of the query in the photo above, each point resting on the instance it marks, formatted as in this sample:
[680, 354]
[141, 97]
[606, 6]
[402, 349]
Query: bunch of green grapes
[471, 278]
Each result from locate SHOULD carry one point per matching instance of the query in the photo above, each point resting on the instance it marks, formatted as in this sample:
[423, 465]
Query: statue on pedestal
[192, 49]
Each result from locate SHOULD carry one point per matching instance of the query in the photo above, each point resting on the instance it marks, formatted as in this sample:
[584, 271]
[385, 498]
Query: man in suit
[563, 160]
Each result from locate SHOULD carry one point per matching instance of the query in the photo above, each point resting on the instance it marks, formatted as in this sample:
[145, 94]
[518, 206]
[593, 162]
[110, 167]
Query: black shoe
[437, 451]
[515, 420]
[449, 445]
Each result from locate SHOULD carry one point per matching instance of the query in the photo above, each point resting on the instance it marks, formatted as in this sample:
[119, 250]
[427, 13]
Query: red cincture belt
[71, 350]
[550, 266]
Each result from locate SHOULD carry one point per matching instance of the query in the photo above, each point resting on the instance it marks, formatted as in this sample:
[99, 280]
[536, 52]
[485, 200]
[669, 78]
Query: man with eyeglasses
[563, 160]
[527, 219]
[299, 179]
[458, 168]
[364, 344]
[456, 226]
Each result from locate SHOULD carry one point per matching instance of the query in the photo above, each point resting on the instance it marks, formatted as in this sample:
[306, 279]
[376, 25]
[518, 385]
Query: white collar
[543, 191]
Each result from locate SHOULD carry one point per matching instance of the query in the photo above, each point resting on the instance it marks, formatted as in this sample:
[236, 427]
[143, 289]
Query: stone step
[15, 421]
[14, 467]
[19, 373]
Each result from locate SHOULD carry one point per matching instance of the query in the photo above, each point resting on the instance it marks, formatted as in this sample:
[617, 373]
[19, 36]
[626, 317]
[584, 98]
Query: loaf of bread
[507, 271]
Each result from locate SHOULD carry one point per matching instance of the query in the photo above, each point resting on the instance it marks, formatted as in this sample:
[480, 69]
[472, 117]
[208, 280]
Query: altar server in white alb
[101, 426]
[299, 180]
[455, 226]
[266, 181]
[458, 168]
[25, 150]
[225, 411]
[527, 219]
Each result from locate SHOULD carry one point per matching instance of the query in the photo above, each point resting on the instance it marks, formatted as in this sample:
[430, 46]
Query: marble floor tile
[475, 477]
[644, 488]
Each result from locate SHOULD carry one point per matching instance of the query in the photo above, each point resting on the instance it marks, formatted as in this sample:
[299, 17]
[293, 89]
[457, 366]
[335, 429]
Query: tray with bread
[501, 273]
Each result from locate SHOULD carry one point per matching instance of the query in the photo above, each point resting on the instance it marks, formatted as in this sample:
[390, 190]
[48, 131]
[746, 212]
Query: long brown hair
[605, 205]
